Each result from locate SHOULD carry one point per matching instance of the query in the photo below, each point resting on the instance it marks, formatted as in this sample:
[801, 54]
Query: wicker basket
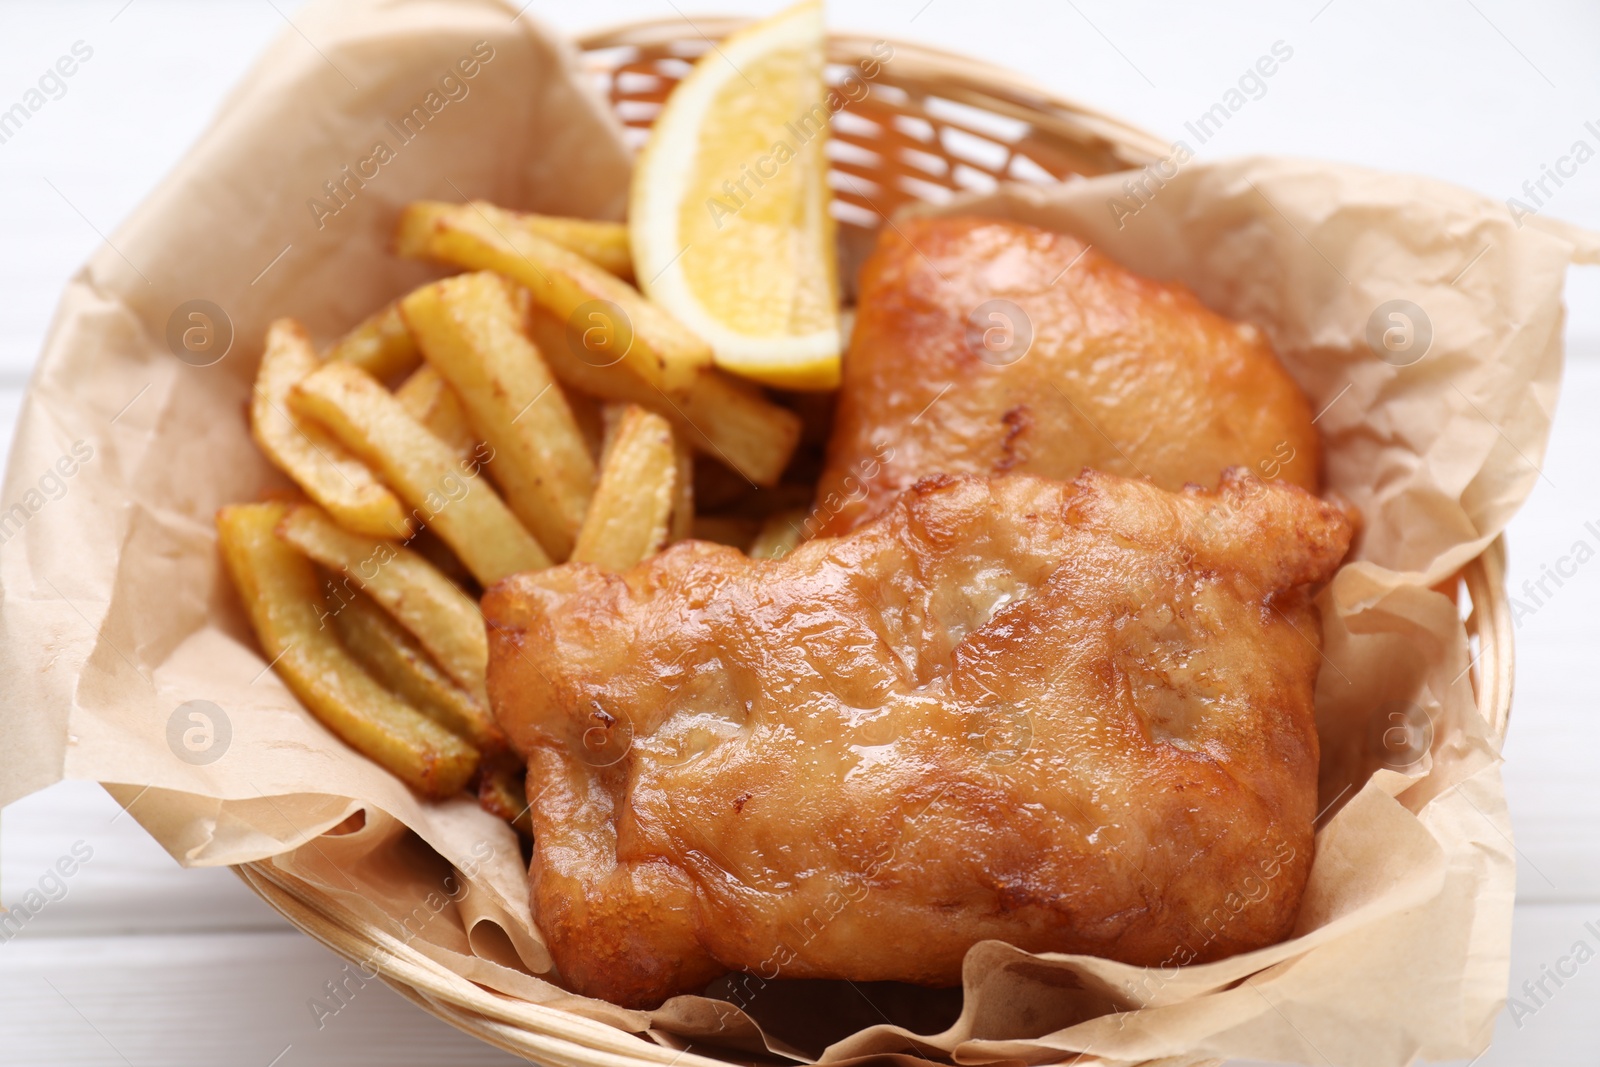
[935, 124]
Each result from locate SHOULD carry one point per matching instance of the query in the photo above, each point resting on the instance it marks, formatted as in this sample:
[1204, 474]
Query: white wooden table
[139, 962]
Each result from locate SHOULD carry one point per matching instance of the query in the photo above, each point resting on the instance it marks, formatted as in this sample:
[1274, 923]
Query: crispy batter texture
[1073, 717]
[1123, 374]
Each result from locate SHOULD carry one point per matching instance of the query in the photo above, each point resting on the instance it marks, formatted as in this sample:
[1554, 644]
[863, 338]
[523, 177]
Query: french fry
[279, 589]
[603, 243]
[470, 330]
[480, 236]
[428, 398]
[413, 233]
[726, 419]
[463, 510]
[503, 792]
[683, 491]
[306, 452]
[397, 660]
[610, 420]
[427, 544]
[442, 618]
[779, 535]
[586, 413]
[381, 345]
[629, 515]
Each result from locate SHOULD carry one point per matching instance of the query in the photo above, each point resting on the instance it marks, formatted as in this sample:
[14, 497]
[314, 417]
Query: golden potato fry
[413, 233]
[604, 244]
[503, 792]
[779, 534]
[306, 452]
[461, 508]
[428, 545]
[480, 236]
[683, 491]
[726, 419]
[610, 420]
[470, 331]
[397, 660]
[586, 412]
[428, 398]
[381, 346]
[279, 589]
[629, 515]
[442, 618]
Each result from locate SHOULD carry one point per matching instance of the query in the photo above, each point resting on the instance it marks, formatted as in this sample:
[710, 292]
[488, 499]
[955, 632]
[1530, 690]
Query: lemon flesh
[729, 219]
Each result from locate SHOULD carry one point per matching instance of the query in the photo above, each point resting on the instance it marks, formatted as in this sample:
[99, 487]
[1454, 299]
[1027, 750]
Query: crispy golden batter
[1124, 374]
[1075, 717]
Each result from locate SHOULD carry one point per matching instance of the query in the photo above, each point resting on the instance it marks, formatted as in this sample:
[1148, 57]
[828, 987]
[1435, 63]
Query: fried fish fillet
[983, 346]
[1074, 717]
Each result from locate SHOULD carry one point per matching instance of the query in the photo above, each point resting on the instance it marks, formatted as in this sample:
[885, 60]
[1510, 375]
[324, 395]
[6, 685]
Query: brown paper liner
[116, 611]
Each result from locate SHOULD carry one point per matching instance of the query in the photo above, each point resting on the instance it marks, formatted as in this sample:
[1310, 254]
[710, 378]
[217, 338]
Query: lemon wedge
[729, 213]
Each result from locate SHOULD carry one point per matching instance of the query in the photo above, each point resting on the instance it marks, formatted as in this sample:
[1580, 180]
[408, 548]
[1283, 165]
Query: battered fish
[1120, 373]
[1074, 717]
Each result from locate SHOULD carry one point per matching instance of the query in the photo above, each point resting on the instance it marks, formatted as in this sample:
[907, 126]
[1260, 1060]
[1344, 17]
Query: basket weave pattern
[932, 125]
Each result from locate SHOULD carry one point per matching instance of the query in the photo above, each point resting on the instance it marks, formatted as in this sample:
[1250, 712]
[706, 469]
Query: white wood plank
[241, 998]
[10, 405]
[83, 161]
[126, 885]
[187, 1001]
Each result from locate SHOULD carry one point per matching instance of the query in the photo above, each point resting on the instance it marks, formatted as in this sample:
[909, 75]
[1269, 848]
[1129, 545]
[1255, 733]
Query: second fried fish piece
[983, 346]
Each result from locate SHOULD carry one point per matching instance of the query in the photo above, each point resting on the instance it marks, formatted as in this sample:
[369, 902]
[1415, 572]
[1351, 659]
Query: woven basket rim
[929, 63]
[562, 1039]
